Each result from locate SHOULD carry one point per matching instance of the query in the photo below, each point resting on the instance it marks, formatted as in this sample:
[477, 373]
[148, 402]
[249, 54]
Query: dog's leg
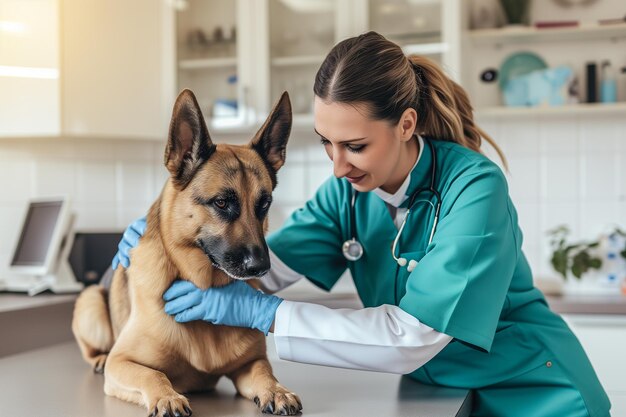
[256, 382]
[92, 328]
[145, 386]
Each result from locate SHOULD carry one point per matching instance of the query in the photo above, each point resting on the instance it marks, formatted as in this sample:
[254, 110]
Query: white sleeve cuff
[383, 339]
[280, 276]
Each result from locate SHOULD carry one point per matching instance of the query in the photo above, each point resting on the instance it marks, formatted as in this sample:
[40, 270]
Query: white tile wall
[563, 170]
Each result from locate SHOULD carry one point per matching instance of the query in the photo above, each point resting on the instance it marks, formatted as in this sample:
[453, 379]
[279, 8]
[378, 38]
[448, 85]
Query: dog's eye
[220, 203]
[266, 205]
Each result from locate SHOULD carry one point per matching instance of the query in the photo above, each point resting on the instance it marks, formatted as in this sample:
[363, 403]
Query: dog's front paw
[279, 401]
[98, 363]
[174, 405]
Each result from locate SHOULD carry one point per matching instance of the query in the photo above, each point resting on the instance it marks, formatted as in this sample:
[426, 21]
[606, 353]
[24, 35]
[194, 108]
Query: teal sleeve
[310, 240]
[459, 287]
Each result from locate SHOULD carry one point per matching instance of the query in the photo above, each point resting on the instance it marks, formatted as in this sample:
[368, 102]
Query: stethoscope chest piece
[352, 250]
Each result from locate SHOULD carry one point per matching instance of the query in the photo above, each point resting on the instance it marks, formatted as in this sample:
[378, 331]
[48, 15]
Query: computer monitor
[40, 258]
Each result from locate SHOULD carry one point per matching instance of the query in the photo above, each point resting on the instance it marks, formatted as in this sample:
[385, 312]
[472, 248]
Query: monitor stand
[61, 281]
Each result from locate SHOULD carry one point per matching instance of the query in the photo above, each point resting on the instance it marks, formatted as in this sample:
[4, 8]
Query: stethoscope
[352, 248]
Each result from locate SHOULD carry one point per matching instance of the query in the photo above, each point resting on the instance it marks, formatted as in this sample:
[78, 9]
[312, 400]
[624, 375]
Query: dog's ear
[189, 144]
[271, 140]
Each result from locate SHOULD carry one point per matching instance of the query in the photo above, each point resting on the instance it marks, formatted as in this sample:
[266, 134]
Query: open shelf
[191, 64]
[532, 34]
[287, 61]
[425, 48]
[573, 110]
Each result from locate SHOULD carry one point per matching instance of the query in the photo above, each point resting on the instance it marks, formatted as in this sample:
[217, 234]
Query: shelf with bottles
[564, 67]
[206, 30]
[526, 34]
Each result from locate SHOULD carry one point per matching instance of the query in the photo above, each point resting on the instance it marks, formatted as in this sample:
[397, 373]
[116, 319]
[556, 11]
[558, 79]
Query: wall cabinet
[117, 68]
[29, 68]
[86, 68]
[120, 64]
[271, 46]
[111, 69]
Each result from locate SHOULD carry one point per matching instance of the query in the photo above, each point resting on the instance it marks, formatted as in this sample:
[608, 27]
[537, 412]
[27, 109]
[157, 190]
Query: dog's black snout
[256, 261]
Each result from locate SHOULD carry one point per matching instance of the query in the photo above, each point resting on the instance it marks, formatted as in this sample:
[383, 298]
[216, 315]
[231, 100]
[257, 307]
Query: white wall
[562, 170]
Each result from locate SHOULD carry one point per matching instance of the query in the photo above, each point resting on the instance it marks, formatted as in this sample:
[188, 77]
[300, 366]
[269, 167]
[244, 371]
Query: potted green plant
[576, 258]
[516, 11]
[580, 257]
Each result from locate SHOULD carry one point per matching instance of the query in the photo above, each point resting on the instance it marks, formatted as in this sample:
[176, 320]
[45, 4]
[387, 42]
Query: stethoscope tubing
[355, 244]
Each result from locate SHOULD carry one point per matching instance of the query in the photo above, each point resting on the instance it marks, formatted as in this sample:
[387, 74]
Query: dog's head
[222, 193]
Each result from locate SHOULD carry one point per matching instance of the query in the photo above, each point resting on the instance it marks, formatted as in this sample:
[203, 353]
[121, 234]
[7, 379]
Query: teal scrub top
[472, 282]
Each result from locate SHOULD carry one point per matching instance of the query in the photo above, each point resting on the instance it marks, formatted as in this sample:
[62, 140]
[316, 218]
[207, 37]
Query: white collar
[400, 196]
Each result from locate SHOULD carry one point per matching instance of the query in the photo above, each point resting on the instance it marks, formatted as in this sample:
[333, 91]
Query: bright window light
[29, 72]
[12, 27]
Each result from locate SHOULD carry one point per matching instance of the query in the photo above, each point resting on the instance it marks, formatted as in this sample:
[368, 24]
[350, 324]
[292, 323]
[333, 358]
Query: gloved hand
[129, 241]
[236, 304]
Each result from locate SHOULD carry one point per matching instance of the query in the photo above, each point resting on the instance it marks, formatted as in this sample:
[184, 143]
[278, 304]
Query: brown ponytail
[444, 110]
[391, 83]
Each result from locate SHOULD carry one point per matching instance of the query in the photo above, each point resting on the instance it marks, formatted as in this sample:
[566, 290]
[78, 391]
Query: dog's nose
[256, 261]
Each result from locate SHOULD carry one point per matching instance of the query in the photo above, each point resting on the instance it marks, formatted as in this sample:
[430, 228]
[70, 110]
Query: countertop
[614, 304]
[16, 301]
[33, 322]
[23, 325]
[42, 372]
[56, 382]
[588, 304]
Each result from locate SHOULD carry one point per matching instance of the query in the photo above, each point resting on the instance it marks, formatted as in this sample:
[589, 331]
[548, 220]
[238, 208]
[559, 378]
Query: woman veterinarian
[426, 226]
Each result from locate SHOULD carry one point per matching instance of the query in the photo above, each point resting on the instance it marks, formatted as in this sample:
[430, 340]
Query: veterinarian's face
[367, 152]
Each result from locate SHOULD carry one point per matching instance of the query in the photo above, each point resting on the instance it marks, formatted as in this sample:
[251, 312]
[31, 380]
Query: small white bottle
[608, 83]
[613, 270]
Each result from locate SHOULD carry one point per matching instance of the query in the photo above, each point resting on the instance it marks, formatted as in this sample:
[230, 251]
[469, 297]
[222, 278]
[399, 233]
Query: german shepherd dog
[208, 227]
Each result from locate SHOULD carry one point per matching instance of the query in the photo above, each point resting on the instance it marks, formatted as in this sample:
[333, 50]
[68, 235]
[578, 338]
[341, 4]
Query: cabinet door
[213, 53]
[29, 68]
[117, 68]
[426, 27]
[301, 34]
[603, 338]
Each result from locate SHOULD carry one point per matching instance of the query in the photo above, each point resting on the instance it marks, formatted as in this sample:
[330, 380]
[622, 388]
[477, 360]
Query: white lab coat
[383, 339]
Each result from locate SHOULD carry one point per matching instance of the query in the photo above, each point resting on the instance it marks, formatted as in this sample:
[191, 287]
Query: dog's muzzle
[242, 263]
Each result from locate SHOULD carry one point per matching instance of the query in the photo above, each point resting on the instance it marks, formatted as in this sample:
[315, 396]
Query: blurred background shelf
[287, 61]
[531, 34]
[573, 110]
[190, 64]
[426, 48]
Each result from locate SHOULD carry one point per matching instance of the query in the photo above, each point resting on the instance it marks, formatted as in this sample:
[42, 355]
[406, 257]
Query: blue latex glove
[236, 304]
[129, 241]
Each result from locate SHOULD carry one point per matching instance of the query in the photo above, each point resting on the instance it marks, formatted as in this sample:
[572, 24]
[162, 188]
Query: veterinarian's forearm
[279, 277]
[384, 339]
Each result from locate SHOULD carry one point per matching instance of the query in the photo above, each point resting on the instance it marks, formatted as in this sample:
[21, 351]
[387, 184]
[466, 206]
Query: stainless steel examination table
[54, 381]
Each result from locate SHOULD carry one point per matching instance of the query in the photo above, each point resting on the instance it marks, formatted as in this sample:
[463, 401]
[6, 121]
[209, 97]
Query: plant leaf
[595, 263]
[559, 262]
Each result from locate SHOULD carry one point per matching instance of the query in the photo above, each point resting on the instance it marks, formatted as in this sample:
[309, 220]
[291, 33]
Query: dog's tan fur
[147, 357]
